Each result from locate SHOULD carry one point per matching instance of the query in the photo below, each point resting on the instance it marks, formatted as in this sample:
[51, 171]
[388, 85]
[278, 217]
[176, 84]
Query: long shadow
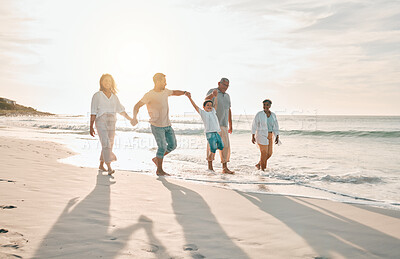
[203, 234]
[328, 233]
[83, 231]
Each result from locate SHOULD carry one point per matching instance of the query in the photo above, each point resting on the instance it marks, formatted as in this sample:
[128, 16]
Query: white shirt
[157, 106]
[224, 104]
[210, 120]
[262, 125]
[101, 104]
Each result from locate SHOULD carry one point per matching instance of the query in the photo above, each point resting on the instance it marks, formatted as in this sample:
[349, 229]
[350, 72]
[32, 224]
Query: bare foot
[162, 173]
[258, 166]
[155, 161]
[227, 171]
[210, 165]
[110, 172]
[102, 168]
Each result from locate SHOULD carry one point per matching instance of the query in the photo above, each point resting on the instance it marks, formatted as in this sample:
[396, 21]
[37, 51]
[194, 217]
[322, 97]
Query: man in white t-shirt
[156, 101]
[211, 125]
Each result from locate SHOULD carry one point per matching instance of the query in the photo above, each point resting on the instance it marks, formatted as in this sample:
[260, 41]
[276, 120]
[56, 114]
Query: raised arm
[193, 103]
[212, 95]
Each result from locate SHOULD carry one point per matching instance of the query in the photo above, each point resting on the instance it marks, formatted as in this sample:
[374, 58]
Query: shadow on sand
[203, 234]
[84, 231]
[329, 233]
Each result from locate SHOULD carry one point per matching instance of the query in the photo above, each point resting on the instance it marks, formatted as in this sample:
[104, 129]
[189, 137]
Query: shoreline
[265, 183]
[67, 211]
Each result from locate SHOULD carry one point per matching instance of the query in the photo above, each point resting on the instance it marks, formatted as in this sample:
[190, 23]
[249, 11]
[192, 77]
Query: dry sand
[53, 210]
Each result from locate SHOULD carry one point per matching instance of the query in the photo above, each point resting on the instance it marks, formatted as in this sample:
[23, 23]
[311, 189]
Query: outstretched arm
[178, 92]
[193, 103]
[126, 116]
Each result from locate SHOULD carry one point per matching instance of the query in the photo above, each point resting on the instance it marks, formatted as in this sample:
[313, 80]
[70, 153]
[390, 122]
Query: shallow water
[344, 158]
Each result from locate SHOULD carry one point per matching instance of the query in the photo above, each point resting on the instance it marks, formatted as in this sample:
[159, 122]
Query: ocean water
[345, 158]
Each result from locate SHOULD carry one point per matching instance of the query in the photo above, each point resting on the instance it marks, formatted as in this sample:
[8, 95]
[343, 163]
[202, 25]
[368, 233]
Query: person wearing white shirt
[211, 126]
[224, 115]
[104, 107]
[265, 126]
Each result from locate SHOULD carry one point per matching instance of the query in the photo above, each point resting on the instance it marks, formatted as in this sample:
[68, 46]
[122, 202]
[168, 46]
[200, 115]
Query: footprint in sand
[190, 247]
[9, 256]
[13, 241]
[7, 207]
[11, 246]
[8, 181]
[198, 256]
[151, 248]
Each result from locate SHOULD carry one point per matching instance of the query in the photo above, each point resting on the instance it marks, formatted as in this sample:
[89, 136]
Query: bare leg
[158, 162]
[225, 169]
[266, 160]
[263, 160]
[210, 165]
[110, 171]
[267, 152]
[101, 166]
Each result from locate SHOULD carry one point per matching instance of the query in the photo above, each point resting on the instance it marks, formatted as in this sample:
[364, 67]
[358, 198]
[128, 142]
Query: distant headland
[11, 108]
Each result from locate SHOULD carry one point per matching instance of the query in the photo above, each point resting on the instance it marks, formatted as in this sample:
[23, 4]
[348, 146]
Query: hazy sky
[308, 57]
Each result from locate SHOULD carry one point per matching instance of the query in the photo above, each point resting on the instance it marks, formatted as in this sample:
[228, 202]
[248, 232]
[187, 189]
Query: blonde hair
[113, 85]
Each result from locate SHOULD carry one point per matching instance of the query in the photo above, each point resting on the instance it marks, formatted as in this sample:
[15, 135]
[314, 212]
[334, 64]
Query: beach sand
[54, 210]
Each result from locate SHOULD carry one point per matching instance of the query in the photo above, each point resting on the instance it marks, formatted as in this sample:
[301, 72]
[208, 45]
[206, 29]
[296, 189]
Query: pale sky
[308, 57]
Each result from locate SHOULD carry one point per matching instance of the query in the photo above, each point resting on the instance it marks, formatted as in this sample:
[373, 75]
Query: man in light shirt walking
[156, 101]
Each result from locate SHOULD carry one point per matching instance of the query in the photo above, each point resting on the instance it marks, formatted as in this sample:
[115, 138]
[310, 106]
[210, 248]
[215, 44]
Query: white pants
[105, 125]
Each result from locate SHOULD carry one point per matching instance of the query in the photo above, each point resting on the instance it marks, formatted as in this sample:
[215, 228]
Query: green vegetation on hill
[8, 109]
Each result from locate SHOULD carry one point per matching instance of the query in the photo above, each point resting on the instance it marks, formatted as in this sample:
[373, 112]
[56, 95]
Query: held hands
[215, 93]
[134, 121]
[189, 95]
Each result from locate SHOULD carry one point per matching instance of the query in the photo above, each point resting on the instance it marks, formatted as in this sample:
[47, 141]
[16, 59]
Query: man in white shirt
[156, 101]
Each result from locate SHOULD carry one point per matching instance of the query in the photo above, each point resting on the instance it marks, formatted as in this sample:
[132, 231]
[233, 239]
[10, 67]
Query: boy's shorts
[215, 141]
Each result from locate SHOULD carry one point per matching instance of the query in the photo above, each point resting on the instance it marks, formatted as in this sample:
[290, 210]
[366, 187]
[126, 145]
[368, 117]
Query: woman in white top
[105, 106]
[265, 125]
